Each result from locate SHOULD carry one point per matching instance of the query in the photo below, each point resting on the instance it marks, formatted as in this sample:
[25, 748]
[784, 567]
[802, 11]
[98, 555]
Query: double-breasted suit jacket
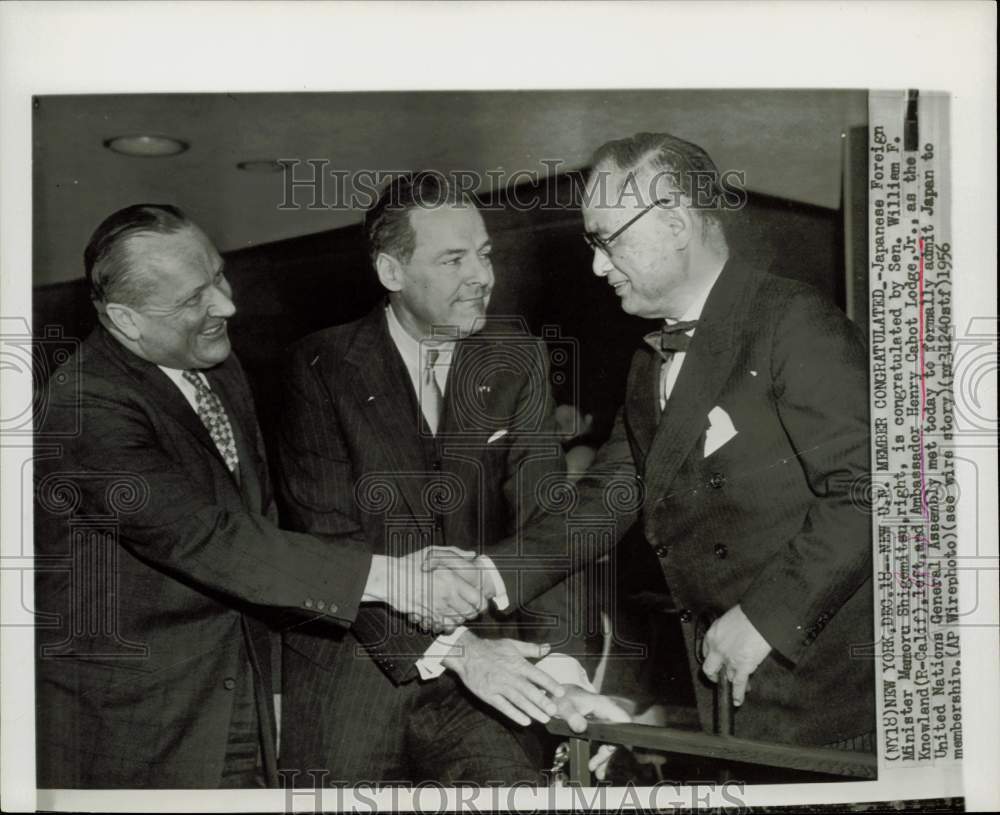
[773, 518]
[157, 571]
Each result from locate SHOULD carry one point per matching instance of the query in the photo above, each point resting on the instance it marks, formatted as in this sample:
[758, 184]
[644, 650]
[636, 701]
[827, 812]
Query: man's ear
[390, 271]
[680, 222]
[124, 319]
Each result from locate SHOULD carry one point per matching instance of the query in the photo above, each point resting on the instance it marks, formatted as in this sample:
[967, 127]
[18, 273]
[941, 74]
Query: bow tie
[671, 338]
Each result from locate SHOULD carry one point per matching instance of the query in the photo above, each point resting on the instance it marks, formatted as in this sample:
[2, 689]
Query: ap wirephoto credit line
[913, 479]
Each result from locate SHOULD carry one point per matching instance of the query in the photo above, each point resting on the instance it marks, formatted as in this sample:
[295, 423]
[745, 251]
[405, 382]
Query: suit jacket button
[686, 615]
[661, 550]
[229, 684]
[721, 551]
[320, 605]
[308, 603]
[716, 481]
[333, 608]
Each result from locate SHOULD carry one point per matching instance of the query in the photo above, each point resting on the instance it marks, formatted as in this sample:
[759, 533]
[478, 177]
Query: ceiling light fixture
[146, 146]
[261, 166]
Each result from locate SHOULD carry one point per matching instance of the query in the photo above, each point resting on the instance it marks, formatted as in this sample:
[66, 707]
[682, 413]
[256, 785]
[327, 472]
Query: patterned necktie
[669, 340]
[213, 416]
[431, 398]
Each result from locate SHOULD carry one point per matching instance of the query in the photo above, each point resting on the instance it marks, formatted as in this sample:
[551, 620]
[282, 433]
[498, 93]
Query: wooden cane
[723, 705]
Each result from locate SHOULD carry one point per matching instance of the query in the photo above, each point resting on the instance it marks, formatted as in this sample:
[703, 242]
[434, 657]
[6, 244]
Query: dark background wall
[287, 289]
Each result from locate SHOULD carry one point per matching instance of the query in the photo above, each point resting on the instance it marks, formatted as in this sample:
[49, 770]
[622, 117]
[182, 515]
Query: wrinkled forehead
[187, 248]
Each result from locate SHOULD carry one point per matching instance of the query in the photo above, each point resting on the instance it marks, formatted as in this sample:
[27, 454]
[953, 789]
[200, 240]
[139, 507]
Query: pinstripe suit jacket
[155, 571]
[359, 466]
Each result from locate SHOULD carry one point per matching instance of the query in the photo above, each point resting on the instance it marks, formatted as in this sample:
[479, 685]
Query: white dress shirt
[177, 377]
[414, 354]
[677, 361]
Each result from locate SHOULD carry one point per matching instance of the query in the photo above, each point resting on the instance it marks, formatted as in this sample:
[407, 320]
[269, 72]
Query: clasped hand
[438, 587]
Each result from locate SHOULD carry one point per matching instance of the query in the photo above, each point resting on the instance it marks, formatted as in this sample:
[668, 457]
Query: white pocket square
[498, 435]
[720, 430]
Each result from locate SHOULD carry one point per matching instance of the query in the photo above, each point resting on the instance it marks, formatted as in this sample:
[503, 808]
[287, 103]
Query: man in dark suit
[159, 561]
[422, 423]
[745, 430]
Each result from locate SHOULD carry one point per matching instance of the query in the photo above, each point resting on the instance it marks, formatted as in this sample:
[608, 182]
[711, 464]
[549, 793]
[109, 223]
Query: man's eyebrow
[448, 252]
[199, 289]
[187, 296]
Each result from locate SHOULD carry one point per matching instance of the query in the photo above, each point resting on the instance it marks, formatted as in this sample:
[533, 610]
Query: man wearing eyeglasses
[746, 428]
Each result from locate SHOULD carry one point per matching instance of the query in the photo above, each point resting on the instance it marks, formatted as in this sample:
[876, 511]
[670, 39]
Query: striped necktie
[431, 398]
[213, 416]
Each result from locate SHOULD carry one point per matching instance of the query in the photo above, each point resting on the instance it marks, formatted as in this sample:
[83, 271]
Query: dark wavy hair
[387, 221]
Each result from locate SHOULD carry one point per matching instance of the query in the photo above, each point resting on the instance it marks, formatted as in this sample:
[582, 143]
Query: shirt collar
[176, 376]
[697, 306]
[413, 350]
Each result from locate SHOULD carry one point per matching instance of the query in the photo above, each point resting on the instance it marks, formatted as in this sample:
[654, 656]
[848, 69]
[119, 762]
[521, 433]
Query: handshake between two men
[441, 587]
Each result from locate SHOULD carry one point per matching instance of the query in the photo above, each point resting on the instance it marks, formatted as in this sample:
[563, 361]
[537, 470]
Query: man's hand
[734, 645]
[576, 704]
[459, 560]
[440, 599]
[476, 571]
[498, 672]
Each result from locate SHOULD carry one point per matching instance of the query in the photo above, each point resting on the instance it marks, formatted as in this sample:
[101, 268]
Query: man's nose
[601, 264]
[480, 272]
[221, 304]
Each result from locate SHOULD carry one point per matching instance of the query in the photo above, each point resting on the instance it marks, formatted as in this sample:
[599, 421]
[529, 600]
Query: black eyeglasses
[596, 242]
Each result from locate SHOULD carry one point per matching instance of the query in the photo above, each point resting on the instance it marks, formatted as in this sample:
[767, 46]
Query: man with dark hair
[746, 429]
[423, 422]
[159, 560]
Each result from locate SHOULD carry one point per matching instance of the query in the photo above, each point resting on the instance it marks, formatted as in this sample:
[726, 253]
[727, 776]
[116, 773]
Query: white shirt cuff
[566, 670]
[429, 665]
[500, 599]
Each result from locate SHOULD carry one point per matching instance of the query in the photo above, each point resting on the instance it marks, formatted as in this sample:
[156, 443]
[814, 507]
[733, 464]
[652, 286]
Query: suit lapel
[224, 380]
[642, 394]
[384, 393]
[465, 394]
[162, 392]
[452, 384]
[707, 367]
